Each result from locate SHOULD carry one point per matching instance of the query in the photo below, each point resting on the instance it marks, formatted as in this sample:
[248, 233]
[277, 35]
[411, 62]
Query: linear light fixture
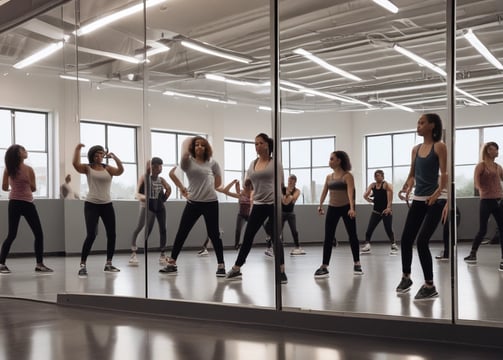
[215, 51]
[76, 78]
[221, 78]
[39, 55]
[104, 21]
[129, 59]
[398, 106]
[283, 110]
[481, 48]
[326, 65]
[203, 98]
[388, 5]
[470, 96]
[419, 60]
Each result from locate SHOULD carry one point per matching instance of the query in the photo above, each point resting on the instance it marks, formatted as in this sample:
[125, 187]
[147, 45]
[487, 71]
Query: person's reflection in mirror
[204, 176]
[66, 190]
[19, 180]
[427, 160]
[151, 205]
[487, 179]
[444, 254]
[261, 174]
[98, 202]
[340, 186]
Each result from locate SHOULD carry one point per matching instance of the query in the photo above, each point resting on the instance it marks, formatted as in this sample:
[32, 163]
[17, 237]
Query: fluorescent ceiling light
[401, 107]
[174, 93]
[129, 59]
[221, 78]
[470, 96]
[334, 97]
[419, 60]
[326, 65]
[388, 5]
[104, 21]
[215, 51]
[477, 44]
[203, 98]
[39, 27]
[45, 52]
[283, 110]
[3, 2]
[76, 78]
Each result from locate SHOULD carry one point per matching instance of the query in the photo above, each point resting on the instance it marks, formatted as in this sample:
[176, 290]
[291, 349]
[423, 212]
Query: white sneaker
[133, 260]
[394, 249]
[163, 260]
[366, 248]
[203, 252]
[297, 251]
[268, 252]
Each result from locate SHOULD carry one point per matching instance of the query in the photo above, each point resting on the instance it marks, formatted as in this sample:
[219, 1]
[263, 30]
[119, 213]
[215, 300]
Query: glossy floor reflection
[32, 330]
[481, 285]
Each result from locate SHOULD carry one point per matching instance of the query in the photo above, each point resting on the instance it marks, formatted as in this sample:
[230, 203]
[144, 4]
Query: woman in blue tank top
[428, 162]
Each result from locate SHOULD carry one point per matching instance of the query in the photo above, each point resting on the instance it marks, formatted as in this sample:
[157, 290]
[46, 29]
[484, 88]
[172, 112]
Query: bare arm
[409, 183]
[139, 195]
[350, 182]
[81, 168]
[227, 189]
[5, 180]
[477, 174]
[167, 188]
[324, 193]
[366, 194]
[441, 151]
[389, 196]
[115, 171]
[178, 182]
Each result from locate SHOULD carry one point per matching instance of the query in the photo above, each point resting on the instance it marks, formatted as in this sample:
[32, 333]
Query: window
[238, 155]
[121, 140]
[29, 129]
[167, 145]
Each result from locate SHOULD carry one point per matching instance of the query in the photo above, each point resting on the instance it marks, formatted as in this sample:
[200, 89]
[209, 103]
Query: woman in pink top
[487, 178]
[21, 179]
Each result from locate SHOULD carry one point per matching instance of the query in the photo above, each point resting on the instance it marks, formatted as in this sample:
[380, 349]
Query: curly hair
[344, 158]
[13, 159]
[92, 151]
[208, 151]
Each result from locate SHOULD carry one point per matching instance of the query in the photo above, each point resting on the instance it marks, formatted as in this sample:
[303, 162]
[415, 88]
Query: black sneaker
[221, 272]
[501, 266]
[321, 273]
[233, 275]
[426, 293]
[4, 269]
[404, 285]
[109, 268]
[357, 270]
[83, 271]
[43, 269]
[471, 259]
[442, 256]
[169, 269]
[283, 278]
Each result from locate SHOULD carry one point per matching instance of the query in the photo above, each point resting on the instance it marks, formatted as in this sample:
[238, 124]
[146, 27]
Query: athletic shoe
[366, 248]
[441, 257]
[221, 272]
[110, 268]
[169, 269]
[83, 271]
[394, 249]
[4, 269]
[426, 293]
[471, 259]
[203, 252]
[133, 260]
[268, 252]
[321, 273]
[357, 270]
[283, 278]
[501, 266]
[404, 285]
[237, 246]
[233, 275]
[43, 269]
[163, 260]
[297, 251]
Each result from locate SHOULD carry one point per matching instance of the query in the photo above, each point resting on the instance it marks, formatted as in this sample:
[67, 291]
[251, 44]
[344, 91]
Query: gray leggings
[151, 216]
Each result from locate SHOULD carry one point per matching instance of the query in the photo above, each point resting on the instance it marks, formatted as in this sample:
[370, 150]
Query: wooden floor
[480, 286]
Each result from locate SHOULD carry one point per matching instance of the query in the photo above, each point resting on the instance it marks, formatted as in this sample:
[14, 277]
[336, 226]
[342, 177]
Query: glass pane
[90, 135]
[493, 133]
[321, 147]
[467, 146]
[36, 138]
[122, 142]
[5, 125]
[300, 151]
[250, 154]
[285, 153]
[379, 151]
[124, 186]
[233, 155]
[402, 148]
[38, 161]
[464, 181]
[164, 146]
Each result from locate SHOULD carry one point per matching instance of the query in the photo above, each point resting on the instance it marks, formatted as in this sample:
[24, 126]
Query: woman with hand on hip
[21, 180]
[98, 202]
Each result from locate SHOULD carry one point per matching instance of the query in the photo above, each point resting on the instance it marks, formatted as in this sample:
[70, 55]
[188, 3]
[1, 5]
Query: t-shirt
[202, 179]
[99, 186]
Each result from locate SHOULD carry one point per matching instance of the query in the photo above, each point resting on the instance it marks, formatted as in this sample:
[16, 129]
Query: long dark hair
[436, 133]
[208, 151]
[344, 157]
[13, 159]
[268, 140]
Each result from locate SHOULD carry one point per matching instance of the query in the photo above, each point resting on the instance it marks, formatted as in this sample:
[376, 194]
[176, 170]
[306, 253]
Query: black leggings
[193, 210]
[375, 219]
[240, 221]
[260, 213]
[421, 221]
[334, 213]
[16, 209]
[92, 214]
[445, 234]
[487, 208]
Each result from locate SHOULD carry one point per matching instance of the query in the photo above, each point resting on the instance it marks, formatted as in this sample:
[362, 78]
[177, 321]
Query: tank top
[244, 204]
[287, 208]
[380, 197]
[426, 172]
[338, 192]
[489, 182]
[20, 186]
[99, 186]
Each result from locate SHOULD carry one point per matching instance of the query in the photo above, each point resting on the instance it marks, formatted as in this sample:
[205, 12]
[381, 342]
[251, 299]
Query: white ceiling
[355, 35]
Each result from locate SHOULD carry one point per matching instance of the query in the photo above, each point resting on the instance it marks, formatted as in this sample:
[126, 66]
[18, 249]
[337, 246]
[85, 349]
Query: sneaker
[297, 251]
[110, 268]
[133, 260]
[357, 270]
[43, 269]
[203, 252]
[163, 260]
[268, 252]
[441, 257]
[237, 246]
[394, 249]
[404, 285]
[485, 241]
[83, 271]
[366, 248]
[426, 293]
[321, 273]
[233, 275]
[169, 269]
[501, 266]
[283, 278]
[4, 269]
[221, 272]
[471, 259]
